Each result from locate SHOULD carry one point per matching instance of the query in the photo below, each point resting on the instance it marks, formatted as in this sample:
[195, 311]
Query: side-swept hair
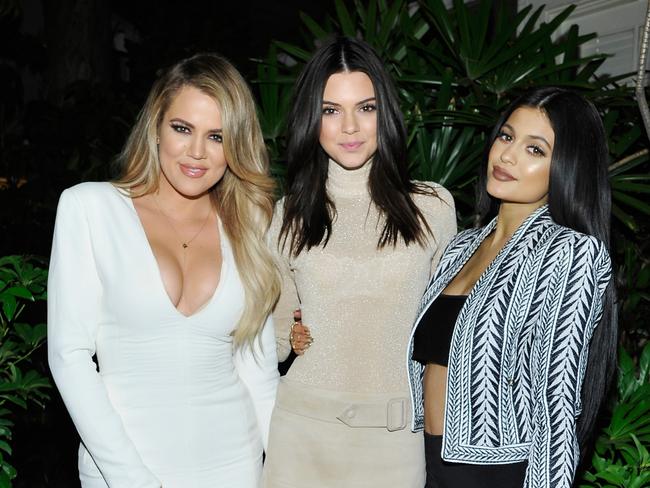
[579, 197]
[308, 210]
[243, 197]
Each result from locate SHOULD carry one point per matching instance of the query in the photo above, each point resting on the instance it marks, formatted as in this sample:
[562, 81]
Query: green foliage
[621, 458]
[456, 69]
[22, 282]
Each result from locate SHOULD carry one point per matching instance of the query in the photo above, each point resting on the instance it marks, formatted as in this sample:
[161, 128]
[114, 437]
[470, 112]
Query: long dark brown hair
[308, 209]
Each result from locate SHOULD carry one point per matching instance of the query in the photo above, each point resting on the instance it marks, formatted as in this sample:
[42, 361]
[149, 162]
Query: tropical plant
[621, 457]
[22, 282]
[456, 69]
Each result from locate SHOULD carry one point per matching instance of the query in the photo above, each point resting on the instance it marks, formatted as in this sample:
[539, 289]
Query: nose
[196, 149]
[507, 155]
[350, 123]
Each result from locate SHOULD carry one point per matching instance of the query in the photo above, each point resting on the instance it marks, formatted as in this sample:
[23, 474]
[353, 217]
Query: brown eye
[180, 128]
[504, 136]
[536, 151]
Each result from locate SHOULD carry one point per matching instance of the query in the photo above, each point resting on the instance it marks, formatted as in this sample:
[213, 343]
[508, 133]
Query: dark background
[74, 73]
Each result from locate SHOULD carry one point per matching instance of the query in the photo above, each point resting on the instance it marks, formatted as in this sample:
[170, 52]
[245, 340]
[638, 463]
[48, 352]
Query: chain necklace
[184, 243]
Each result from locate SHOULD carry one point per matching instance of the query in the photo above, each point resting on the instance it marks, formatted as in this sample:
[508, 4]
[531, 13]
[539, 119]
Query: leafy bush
[621, 457]
[22, 282]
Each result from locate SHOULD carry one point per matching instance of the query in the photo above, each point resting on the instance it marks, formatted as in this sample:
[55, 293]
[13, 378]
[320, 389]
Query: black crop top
[432, 338]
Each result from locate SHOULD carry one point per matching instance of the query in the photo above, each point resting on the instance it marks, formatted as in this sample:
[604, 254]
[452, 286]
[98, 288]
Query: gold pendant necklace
[184, 243]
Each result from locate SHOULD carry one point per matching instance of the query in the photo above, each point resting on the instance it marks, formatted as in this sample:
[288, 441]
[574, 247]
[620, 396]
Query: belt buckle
[395, 414]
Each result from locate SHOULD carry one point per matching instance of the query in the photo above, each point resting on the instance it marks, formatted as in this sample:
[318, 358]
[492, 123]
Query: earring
[157, 140]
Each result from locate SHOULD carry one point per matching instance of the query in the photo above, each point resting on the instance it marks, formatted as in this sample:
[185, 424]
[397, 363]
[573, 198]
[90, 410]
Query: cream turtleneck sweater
[359, 301]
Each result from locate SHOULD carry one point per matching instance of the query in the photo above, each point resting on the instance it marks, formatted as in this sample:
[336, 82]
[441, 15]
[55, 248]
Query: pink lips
[501, 174]
[193, 171]
[351, 146]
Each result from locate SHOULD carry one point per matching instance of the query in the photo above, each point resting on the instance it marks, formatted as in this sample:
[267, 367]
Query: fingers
[300, 338]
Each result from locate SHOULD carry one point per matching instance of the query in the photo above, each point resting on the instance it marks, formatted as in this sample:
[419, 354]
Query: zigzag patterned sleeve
[572, 309]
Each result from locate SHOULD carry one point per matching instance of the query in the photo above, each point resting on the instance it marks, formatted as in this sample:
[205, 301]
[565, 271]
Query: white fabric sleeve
[574, 301]
[74, 301]
[258, 370]
[288, 301]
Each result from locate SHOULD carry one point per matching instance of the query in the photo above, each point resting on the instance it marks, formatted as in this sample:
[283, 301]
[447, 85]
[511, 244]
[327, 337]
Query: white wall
[618, 23]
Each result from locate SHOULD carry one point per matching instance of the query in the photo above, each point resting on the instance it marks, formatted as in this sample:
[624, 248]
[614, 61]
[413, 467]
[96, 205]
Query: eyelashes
[183, 129]
[366, 108]
[532, 149]
[180, 128]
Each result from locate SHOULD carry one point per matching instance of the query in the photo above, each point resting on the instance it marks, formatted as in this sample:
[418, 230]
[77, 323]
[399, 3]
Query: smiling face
[519, 163]
[348, 131]
[190, 145]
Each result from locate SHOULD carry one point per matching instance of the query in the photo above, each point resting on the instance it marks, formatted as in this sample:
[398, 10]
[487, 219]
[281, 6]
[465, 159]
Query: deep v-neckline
[156, 267]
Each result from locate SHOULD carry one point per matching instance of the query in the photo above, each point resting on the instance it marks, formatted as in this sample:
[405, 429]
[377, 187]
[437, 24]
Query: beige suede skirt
[321, 438]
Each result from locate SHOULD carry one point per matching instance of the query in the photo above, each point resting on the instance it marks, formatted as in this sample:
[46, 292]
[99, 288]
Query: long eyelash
[176, 127]
[502, 134]
[538, 151]
[369, 107]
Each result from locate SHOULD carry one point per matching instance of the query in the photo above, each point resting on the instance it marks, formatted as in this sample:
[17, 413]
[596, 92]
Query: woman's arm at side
[258, 369]
[288, 301]
[573, 307]
[74, 296]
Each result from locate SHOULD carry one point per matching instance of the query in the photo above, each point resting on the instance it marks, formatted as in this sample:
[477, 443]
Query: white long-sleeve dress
[169, 403]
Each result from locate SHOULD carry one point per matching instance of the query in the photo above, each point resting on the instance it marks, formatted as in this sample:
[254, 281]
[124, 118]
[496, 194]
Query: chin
[352, 163]
[192, 191]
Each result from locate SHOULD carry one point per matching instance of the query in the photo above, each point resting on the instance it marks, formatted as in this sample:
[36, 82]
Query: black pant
[441, 474]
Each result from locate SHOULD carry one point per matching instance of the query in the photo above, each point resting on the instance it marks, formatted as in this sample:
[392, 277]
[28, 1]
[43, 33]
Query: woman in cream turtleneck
[356, 241]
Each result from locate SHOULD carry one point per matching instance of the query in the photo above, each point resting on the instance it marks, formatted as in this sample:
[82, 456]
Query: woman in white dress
[165, 276]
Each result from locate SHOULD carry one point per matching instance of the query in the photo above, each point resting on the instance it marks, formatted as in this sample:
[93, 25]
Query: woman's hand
[300, 336]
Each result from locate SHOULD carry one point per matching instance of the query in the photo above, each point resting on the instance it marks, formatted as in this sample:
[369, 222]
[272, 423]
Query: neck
[510, 217]
[348, 182]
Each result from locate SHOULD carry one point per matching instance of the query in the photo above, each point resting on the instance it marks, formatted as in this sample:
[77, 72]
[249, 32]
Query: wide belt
[390, 414]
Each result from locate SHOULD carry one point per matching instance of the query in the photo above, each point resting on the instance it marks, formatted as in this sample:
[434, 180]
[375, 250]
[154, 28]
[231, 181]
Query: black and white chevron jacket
[519, 349]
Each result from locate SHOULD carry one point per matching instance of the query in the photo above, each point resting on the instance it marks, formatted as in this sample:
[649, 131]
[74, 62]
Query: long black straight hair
[579, 197]
[308, 209]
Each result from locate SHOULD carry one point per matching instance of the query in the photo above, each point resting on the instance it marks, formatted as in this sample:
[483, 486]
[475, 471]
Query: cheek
[369, 125]
[538, 177]
[327, 133]
[218, 155]
[171, 146]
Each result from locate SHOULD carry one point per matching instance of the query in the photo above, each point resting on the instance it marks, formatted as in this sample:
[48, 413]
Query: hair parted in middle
[579, 197]
[243, 197]
[308, 210]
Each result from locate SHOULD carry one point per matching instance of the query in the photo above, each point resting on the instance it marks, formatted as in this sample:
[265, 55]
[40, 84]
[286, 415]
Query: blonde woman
[164, 275]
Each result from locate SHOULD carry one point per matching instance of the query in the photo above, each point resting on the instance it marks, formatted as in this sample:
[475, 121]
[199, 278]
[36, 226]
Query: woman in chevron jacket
[515, 339]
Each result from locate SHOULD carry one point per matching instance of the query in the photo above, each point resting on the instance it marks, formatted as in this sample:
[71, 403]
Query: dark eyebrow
[190, 125]
[537, 138]
[327, 102]
[540, 138]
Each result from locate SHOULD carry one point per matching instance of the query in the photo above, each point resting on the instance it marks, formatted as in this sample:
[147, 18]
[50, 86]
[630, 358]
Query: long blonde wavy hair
[243, 197]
